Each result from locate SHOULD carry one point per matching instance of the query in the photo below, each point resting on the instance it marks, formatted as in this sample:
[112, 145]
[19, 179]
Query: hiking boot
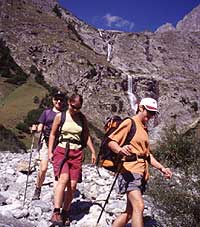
[36, 195]
[65, 218]
[56, 219]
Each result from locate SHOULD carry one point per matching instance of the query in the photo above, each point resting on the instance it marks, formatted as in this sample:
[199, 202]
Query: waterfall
[132, 97]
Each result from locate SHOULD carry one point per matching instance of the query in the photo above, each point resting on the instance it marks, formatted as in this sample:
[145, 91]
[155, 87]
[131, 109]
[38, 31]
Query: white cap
[150, 104]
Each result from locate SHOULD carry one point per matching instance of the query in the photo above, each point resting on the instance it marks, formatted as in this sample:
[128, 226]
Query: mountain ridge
[72, 56]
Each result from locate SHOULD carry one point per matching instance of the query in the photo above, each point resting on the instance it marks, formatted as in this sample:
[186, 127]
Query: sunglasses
[61, 99]
[75, 107]
[152, 113]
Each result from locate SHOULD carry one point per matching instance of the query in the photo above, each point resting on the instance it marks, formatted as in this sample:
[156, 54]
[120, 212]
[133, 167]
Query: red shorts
[72, 165]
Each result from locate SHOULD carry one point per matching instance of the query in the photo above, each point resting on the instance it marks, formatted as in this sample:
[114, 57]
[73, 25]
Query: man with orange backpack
[134, 172]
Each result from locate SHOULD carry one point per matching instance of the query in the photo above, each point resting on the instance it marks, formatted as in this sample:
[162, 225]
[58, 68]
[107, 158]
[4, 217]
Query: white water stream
[132, 97]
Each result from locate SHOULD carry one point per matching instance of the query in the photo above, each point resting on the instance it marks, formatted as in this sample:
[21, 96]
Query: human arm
[122, 150]
[92, 150]
[37, 128]
[87, 139]
[40, 127]
[52, 136]
[41, 122]
[117, 139]
[166, 171]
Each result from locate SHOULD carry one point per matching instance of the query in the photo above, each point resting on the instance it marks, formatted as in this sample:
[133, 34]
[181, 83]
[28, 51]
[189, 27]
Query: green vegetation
[8, 67]
[96, 135]
[29, 120]
[179, 197]
[39, 78]
[17, 98]
[9, 141]
[180, 151]
[15, 104]
[19, 102]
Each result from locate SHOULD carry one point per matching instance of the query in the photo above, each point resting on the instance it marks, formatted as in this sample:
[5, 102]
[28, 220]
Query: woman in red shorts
[67, 156]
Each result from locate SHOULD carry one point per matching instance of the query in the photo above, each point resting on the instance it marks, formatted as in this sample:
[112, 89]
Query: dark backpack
[106, 157]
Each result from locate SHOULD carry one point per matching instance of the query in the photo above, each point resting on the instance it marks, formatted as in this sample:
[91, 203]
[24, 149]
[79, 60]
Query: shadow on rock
[149, 222]
[79, 209]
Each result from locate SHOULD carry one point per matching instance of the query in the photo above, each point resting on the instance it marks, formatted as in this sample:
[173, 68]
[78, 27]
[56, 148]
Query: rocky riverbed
[86, 207]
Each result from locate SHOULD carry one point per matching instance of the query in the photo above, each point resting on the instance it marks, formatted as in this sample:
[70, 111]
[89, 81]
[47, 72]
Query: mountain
[42, 45]
[72, 56]
[191, 22]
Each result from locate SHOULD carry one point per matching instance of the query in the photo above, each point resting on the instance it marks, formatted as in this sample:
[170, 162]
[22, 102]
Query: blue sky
[129, 15]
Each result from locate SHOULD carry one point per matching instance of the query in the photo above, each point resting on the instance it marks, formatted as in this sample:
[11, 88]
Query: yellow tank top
[71, 129]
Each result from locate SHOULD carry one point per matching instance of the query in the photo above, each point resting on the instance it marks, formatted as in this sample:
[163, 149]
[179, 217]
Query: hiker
[45, 123]
[67, 157]
[134, 174]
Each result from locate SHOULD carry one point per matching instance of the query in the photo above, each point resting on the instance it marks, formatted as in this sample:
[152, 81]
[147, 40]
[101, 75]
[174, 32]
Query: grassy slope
[19, 102]
[6, 89]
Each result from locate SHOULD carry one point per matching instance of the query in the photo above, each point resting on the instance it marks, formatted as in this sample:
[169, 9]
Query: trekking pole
[29, 166]
[106, 201]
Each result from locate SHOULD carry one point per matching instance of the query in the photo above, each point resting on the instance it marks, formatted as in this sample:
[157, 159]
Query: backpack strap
[84, 133]
[132, 131]
[62, 120]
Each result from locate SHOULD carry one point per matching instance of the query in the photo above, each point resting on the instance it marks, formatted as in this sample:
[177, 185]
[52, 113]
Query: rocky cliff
[72, 56]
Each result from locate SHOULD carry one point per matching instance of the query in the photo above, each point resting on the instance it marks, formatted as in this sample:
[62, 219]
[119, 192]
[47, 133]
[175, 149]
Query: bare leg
[41, 173]
[123, 218]
[54, 185]
[60, 189]
[69, 194]
[134, 210]
[136, 200]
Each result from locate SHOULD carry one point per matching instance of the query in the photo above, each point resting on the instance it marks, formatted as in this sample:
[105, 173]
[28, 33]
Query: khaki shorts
[131, 181]
[43, 152]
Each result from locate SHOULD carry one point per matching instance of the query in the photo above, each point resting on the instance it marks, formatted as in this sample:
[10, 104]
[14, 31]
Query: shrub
[179, 197]
[39, 78]
[180, 204]
[9, 68]
[179, 151]
[96, 135]
[36, 100]
[17, 79]
[9, 141]
[31, 118]
[22, 127]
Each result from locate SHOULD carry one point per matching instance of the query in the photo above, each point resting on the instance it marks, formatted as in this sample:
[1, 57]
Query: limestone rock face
[72, 56]
[191, 22]
[165, 28]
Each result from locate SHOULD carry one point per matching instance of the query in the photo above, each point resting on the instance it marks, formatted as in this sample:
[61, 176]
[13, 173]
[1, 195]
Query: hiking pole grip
[29, 166]
[108, 196]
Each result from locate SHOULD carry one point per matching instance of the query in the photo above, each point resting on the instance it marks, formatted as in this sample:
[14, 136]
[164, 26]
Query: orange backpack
[106, 157]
